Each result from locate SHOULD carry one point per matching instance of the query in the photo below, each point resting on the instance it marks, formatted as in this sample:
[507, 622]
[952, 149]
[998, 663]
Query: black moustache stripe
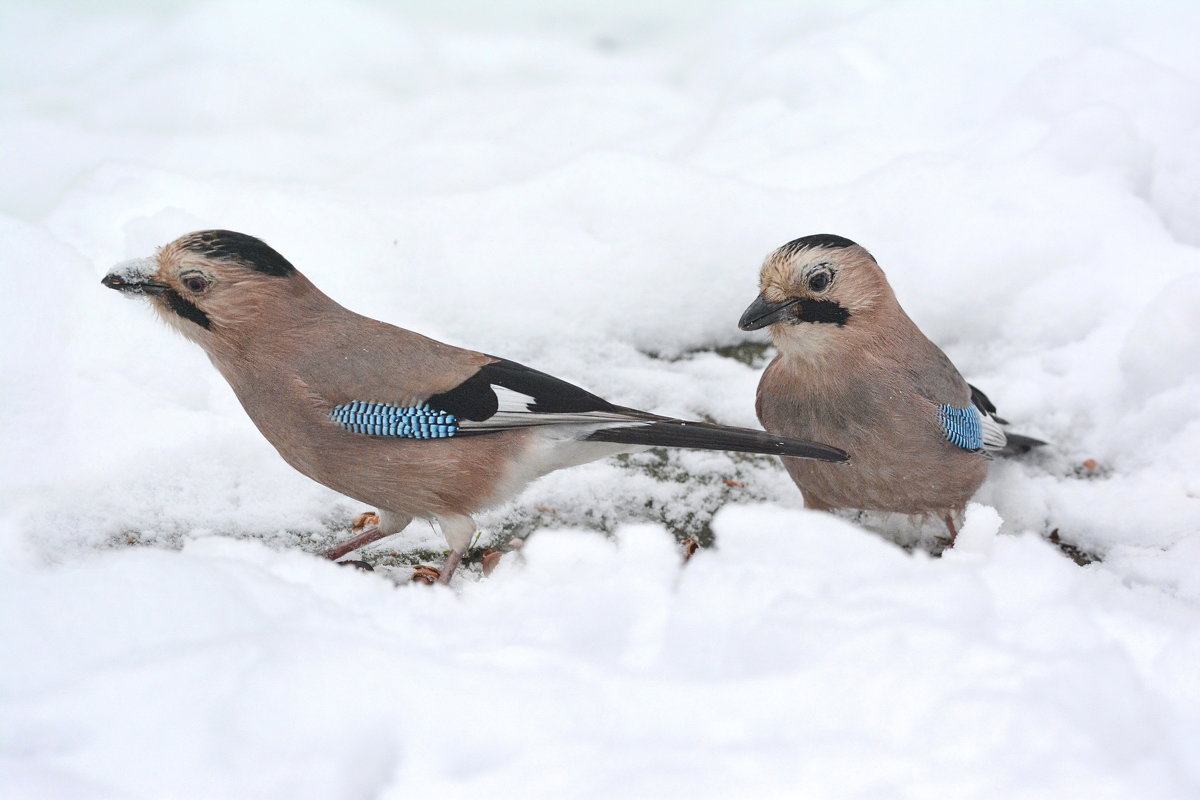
[822, 311]
[185, 309]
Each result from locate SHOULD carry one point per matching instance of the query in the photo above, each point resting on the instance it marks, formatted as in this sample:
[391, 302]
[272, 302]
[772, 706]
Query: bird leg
[373, 528]
[458, 529]
[949, 520]
[372, 533]
[448, 568]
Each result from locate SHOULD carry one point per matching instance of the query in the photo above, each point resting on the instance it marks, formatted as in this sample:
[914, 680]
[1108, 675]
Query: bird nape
[417, 428]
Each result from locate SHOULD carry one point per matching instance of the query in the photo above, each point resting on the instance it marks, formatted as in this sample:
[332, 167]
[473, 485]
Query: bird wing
[966, 423]
[377, 379]
[500, 395]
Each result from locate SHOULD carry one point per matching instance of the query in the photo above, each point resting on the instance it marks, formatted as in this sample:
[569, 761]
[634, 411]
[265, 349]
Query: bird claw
[364, 519]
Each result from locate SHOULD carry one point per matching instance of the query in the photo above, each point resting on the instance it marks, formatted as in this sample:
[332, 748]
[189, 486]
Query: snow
[590, 190]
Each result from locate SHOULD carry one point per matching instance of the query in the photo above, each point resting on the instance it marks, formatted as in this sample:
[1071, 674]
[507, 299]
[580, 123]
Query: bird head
[814, 288]
[211, 285]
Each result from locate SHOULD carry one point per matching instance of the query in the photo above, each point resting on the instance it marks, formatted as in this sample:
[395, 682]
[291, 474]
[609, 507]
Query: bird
[391, 418]
[853, 370]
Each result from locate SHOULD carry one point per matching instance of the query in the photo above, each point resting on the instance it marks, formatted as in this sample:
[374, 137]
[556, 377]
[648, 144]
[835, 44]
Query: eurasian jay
[853, 370]
[417, 428]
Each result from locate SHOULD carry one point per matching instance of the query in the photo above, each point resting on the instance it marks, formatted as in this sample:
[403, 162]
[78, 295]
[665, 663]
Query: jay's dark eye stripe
[826, 311]
[186, 309]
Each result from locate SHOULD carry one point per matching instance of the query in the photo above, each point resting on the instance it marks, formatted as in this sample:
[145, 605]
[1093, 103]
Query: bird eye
[819, 281]
[195, 284]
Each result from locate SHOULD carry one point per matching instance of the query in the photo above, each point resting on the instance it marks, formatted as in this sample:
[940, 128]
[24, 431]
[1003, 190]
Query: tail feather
[706, 436]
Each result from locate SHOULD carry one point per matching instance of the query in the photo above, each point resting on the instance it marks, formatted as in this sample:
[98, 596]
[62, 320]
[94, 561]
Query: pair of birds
[866, 412]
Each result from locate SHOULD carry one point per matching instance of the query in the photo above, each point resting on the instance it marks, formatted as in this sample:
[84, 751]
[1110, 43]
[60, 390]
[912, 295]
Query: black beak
[113, 281]
[762, 313]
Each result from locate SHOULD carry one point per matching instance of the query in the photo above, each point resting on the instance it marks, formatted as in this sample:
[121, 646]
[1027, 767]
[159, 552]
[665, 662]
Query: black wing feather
[475, 400]
[985, 405]
[472, 399]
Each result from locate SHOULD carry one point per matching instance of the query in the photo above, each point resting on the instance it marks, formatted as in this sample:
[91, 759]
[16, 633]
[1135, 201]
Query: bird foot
[690, 545]
[364, 519]
[448, 568]
[949, 520]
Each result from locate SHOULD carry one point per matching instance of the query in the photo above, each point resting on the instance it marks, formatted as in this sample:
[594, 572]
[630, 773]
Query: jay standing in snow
[853, 370]
[417, 428]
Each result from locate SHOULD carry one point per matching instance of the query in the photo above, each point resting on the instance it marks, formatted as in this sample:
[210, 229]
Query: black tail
[1018, 444]
[705, 436]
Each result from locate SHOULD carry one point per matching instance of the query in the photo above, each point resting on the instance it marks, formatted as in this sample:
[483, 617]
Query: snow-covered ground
[590, 191]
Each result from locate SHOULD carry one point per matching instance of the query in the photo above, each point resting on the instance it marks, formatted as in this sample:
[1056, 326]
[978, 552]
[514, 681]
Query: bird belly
[902, 484]
[422, 478]
[550, 448]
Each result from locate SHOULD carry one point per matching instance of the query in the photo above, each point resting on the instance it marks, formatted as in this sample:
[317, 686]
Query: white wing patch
[515, 411]
[993, 434]
[512, 401]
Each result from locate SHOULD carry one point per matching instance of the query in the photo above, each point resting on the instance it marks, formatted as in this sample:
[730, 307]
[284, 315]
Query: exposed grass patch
[751, 353]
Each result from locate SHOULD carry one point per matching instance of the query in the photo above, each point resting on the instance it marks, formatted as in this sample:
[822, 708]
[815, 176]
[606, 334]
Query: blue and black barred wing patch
[962, 426]
[404, 422]
[994, 437]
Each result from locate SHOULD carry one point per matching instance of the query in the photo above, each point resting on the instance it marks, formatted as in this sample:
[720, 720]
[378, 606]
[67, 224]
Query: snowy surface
[590, 191]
